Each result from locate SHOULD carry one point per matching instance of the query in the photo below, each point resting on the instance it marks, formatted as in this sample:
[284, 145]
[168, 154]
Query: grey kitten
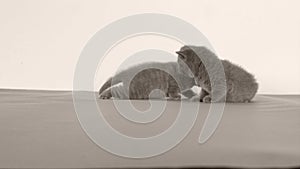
[150, 76]
[241, 85]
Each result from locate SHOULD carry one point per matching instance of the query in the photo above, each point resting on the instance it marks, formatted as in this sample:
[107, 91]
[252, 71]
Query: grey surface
[40, 129]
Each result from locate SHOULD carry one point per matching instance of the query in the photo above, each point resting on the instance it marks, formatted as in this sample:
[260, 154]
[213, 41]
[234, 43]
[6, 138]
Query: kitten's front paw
[195, 98]
[175, 98]
[104, 97]
[207, 99]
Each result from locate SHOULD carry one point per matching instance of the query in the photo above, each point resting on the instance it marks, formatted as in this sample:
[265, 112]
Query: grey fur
[241, 85]
[150, 76]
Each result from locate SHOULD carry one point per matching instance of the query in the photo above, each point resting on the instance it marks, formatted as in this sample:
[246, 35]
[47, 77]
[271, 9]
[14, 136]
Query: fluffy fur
[241, 85]
[150, 76]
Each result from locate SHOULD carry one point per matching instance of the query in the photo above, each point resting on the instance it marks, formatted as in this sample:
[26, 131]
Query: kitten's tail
[110, 82]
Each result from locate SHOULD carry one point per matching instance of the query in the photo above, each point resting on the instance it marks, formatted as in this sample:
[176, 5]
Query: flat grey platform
[39, 129]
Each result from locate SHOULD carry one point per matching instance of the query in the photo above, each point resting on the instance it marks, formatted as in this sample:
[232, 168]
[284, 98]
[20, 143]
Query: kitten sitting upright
[241, 85]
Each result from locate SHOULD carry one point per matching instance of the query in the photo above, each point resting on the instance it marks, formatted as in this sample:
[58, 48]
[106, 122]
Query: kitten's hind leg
[174, 94]
[173, 90]
[106, 94]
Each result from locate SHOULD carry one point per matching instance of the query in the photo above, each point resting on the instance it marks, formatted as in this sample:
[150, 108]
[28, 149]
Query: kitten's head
[190, 59]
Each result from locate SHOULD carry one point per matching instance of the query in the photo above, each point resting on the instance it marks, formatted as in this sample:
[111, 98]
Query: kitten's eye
[182, 57]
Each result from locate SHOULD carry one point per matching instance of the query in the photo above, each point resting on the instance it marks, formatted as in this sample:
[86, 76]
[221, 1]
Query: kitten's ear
[181, 55]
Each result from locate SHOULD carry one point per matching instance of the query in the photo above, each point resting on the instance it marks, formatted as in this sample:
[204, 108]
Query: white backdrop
[40, 41]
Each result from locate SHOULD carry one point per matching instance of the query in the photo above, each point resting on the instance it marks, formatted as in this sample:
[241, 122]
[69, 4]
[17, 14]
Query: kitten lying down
[146, 78]
[189, 71]
[241, 85]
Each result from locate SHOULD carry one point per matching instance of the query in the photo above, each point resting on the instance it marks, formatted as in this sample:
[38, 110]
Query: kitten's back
[242, 85]
[148, 80]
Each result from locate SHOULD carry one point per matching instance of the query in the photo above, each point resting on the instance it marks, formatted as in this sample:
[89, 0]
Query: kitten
[150, 76]
[241, 85]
